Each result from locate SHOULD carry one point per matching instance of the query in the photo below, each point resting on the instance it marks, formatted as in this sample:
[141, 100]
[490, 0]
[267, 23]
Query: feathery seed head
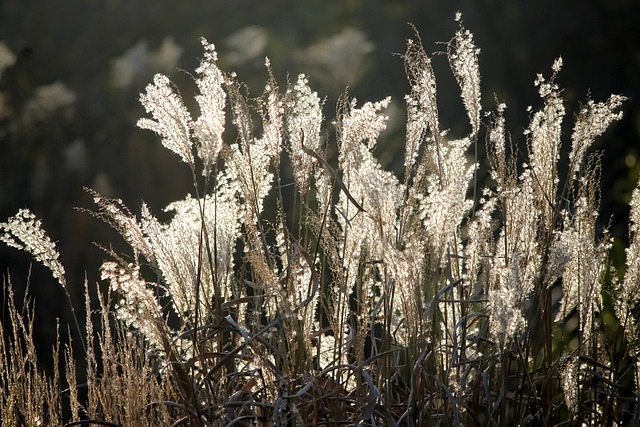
[24, 232]
[592, 121]
[209, 127]
[171, 120]
[463, 57]
[303, 120]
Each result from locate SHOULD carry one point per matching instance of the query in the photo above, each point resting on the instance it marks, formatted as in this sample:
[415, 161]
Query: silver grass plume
[171, 120]
[114, 213]
[24, 232]
[209, 126]
[423, 121]
[463, 58]
[592, 121]
[139, 308]
[544, 134]
[443, 209]
[585, 254]
[303, 121]
[272, 111]
[367, 225]
[627, 293]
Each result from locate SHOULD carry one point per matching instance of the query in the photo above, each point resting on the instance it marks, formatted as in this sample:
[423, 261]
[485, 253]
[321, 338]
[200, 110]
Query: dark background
[67, 117]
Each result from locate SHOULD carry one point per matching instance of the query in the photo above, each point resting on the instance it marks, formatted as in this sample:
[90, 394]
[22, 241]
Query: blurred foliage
[69, 98]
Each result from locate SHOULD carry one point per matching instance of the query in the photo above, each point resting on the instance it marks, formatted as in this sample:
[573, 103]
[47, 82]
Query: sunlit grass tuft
[361, 297]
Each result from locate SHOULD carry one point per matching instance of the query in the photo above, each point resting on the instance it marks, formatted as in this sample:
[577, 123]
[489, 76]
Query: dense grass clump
[291, 287]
